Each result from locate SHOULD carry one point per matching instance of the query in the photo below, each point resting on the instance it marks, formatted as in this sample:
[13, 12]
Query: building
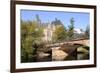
[48, 32]
[48, 28]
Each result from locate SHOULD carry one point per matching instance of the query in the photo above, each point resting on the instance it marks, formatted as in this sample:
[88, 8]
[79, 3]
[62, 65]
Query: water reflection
[62, 54]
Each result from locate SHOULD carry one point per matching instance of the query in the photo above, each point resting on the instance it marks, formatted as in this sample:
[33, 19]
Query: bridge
[68, 44]
[58, 51]
[84, 42]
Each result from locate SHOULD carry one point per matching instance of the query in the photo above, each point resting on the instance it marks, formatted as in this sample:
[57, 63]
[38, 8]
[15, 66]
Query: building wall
[48, 32]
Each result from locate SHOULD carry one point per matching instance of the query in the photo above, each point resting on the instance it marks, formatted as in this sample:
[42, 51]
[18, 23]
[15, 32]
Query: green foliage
[31, 35]
[71, 28]
[60, 33]
[87, 32]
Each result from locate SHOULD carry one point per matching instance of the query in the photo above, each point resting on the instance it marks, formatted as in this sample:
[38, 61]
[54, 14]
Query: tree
[38, 20]
[31, 35]
[71, 28]
[24, 33]
[87, 32]
[60, 33]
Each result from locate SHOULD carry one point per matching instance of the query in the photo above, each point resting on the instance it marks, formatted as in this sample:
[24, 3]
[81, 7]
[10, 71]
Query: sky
[82, 20]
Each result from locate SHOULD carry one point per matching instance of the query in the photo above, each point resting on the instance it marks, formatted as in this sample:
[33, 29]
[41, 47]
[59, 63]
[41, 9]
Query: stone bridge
[75, 43]
[84, 42]
[59, 51]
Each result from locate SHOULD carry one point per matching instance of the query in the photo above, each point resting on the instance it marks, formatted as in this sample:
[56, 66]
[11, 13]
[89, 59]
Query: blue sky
[82, 20]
